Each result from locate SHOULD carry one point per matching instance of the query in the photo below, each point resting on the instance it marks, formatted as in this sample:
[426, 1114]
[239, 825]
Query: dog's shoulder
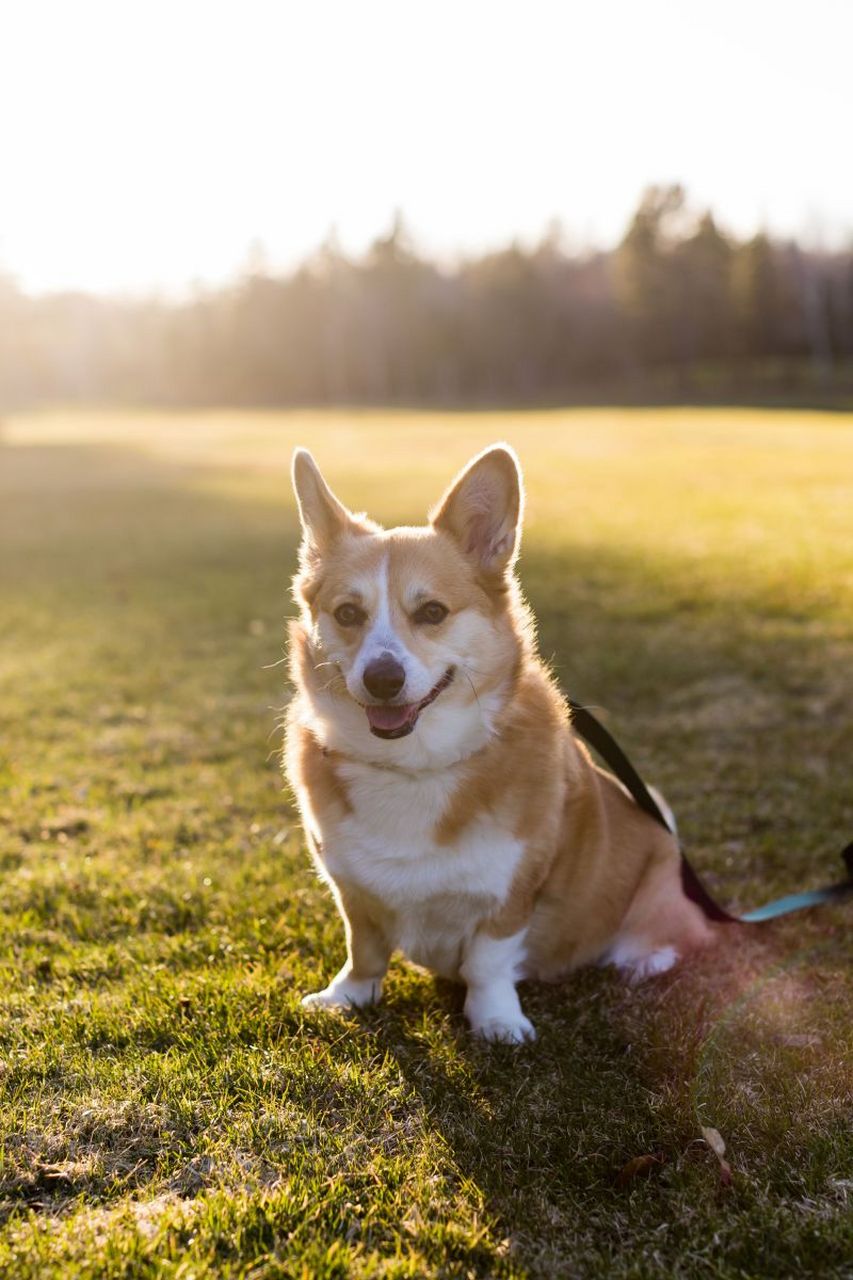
[521, 774]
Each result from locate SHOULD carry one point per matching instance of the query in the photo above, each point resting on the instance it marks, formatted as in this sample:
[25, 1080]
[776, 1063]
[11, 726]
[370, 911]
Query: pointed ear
[482, 509]
[323, 517]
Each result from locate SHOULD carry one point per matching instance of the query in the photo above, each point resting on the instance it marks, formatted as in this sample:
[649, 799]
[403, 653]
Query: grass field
[167, 1107]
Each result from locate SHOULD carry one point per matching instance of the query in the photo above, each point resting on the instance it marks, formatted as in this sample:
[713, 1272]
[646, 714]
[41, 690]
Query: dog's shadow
[536, 1125]
[605, 1101]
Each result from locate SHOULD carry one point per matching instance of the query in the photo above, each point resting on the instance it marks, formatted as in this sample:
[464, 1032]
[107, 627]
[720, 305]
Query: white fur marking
[491, 968]
[637, 962]
[665, 810]
[433, 896]
[381, 638]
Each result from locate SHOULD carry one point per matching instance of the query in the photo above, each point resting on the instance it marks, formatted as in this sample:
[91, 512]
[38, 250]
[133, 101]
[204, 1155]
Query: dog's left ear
[482, 509]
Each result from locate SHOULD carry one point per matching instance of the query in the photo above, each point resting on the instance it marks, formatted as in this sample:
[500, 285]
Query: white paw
[638, 968]
[345, 993]
[515, 1030]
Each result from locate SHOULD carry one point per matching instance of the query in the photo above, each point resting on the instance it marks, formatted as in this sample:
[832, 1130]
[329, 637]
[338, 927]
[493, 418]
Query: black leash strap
[605, 745]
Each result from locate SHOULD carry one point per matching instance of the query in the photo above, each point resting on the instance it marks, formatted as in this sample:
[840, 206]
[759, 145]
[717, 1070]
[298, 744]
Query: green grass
[167, 1107]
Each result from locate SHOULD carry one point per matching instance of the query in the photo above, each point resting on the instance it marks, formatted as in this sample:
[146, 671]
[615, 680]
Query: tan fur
[594, 869]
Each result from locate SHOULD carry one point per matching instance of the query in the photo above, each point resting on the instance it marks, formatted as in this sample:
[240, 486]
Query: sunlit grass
[167, 1108]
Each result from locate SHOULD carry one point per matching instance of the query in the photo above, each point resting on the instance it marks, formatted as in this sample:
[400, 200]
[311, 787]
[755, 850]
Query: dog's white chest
[433, 896]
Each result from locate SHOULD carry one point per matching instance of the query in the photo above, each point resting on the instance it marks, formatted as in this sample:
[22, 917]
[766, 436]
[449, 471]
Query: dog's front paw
[345, 993]
[514, 1030]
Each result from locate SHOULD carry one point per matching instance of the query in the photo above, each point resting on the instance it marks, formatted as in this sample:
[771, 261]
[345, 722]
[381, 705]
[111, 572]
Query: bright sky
[146, 143]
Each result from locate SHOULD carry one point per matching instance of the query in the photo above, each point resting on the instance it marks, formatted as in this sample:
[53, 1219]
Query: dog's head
[410, 633]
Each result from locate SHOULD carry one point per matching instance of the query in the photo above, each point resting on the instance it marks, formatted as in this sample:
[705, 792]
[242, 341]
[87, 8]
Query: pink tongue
[390, 717]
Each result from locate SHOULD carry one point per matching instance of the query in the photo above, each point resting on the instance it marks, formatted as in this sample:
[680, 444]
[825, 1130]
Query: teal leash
[605, 745]
[811, 898]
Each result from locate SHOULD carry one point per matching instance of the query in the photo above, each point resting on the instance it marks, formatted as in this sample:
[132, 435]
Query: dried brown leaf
[715, 1141]
[640, 1166]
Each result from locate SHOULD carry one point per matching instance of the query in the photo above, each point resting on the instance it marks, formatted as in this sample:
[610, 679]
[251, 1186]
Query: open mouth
[399, 720]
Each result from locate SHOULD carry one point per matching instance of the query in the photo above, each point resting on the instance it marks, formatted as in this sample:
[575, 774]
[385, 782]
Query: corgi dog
[446, 801]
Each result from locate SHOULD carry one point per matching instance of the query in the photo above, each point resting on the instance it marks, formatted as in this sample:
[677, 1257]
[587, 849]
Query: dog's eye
[431, 613]
[349, 615]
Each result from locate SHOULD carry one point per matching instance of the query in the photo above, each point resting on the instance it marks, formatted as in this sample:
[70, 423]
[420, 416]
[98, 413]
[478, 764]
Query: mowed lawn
[167, 1107]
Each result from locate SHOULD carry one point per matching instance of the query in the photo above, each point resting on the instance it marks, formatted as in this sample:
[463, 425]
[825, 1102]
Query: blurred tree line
[678, 308]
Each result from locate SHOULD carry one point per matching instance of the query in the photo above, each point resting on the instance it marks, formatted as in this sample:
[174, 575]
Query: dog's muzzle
[398, 720]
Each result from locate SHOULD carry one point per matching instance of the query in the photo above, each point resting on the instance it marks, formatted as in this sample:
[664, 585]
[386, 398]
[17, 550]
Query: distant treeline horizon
[678, 308]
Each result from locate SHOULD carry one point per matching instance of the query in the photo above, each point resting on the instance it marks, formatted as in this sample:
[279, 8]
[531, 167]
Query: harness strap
[602, 741]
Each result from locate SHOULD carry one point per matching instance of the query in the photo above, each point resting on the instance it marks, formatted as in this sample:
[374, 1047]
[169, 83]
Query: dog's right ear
[323, 517]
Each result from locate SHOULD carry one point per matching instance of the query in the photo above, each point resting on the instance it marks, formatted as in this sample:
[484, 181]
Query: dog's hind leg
[661, 926]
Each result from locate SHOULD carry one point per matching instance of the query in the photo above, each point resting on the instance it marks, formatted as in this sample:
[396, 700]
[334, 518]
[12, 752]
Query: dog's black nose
[384, 677]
